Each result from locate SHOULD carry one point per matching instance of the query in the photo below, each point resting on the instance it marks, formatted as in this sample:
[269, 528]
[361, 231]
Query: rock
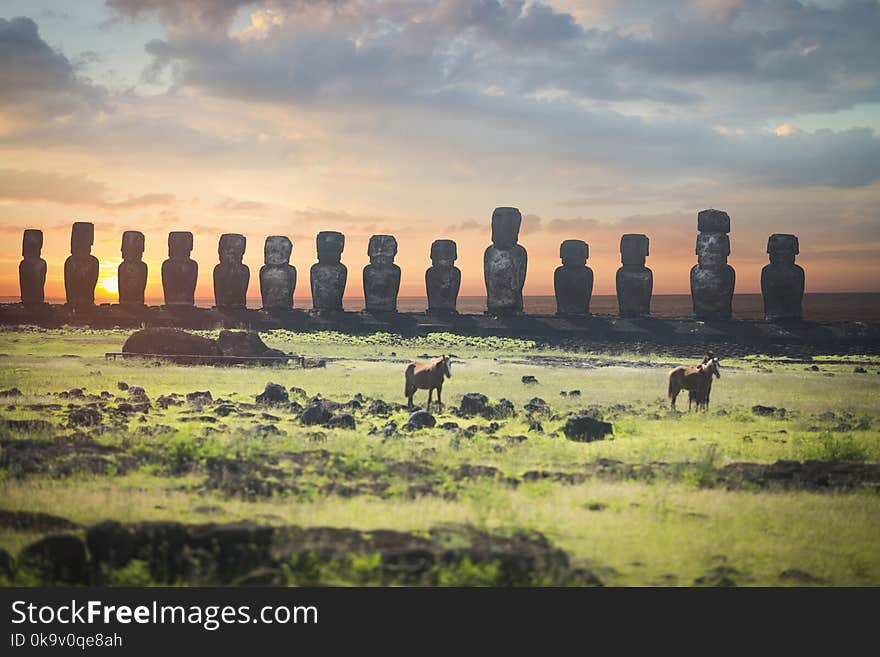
[264, 430]
[315, 413]
[199, 397]
[164, 401]
[389, 429]
[137, 392]
[814, 368]
[503, 409]
[474, 403]
[574, 393]
[299, 392]
[529, 379]
[718, 576]
[341, 421]
[56, 559]
[420, 420]
[110, 544]
[12, 392]
[245, 344]
[224, 410]
[170, 342]
[860, 370]
[273, 394]
[583, 428]
[379, 407]
[799, 577]
[536, 426]
[763, 411]
[84, 416]
[537, 405]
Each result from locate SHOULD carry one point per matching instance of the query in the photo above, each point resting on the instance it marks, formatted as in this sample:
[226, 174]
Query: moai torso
[443, 278]
[32, 268]
[81, 267]
[504, 264]
[381, 276]
[231, 276]
[180, 272]
[573, 281]
[635, 282]
[277, 276]
[782, 281]
[328, 276]
[132, 270]
[712, 279]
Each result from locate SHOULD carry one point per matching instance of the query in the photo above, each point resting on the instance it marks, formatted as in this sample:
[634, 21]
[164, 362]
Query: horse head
[446, 365]
[715, 364]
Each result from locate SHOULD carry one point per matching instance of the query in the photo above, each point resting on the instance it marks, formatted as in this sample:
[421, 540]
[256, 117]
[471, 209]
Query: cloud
[36, 81]
[37, 186]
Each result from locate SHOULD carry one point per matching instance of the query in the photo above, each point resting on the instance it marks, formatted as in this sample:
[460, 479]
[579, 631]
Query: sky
[417, 118]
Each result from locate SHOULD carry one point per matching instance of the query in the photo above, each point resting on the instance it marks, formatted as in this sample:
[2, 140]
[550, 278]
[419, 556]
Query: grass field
[661, 502]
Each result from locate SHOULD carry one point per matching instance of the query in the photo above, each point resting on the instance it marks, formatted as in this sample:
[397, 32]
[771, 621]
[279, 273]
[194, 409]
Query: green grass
[670, 530]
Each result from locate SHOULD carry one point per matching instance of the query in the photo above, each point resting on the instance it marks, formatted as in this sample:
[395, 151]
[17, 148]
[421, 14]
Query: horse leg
[439, 403]
[430, 394]
[672, 398]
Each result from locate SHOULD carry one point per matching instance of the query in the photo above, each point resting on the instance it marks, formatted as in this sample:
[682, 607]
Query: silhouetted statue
[81, 267]
[443, 278]
[573, 281]
[277, 276]
[504, 264]
[231, 276]
[32, 268]
[132, 272]
[381, 276]
[328, 275]
[635, 282]
[712, 279]
[782, 281]
[180, 272]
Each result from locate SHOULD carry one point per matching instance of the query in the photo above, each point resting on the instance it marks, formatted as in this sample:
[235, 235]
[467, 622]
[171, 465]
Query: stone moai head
[574, 253]
[443, 253]
[132, 245]
[382, 249]
[180, 244]
[31, 243]
[82, 236]
[277, 250]
[782, 249]
[231, 247]
[505, 227]
[713, 221]
[330, 245]
[633, 249]
[712, 249]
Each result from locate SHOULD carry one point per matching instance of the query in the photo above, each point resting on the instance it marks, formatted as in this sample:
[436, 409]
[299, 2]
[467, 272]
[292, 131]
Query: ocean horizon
[818, 306]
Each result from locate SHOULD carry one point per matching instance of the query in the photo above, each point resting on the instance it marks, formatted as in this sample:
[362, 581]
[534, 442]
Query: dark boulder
[171, 342]
[379, 407]
[245, 344]
[584, 428]
[420, 420]
[274, 393]
[341, 421]
[12, 392]
[84, 416]
[529, 379]
[474, 403]
[199, 397]
[537, 405]
[56, 559]
[315, 413]
[110, 544]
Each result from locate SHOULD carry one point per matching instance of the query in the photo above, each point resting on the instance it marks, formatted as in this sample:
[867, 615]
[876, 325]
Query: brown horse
[427, 376]
[696, 380]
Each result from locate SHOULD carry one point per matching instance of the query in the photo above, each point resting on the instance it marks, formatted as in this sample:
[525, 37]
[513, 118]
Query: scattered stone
[264, 430]
[164, 401]
[860, 370]
[12, 392]
[474, 403]
[583, 428]
[536, 426]
[529, 379]
[137, 392]
[293, 390]
[563, 393]
[537, 405]
[449, 426]
[574, 393]
[269, 417]
[503, 409]
[799, 576]
[814, 368]
[274, 393]
[595, 506]
[341, 421]
[718, 576]
[767, 411]
[420, 420]
[379, 407]
[60, 558]
[389, 429]
[199, 397]
[315, 413]
[84, 416]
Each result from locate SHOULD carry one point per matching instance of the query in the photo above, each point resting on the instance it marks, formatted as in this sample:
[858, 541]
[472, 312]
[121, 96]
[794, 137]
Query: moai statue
[277, 276]
[443, 278]
[132, 270]
[635, 282]
[504, 264]
[180, 272]
[32, 268]
[231, 276]
[573, 281]
[782, 281]
[328, 275]
[81, 267]
[712, 279]
[381, 276]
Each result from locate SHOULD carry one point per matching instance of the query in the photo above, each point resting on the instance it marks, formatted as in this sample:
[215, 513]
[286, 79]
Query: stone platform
[638, 334]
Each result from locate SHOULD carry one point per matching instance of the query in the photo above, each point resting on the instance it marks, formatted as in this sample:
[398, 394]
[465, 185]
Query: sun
[108, 279]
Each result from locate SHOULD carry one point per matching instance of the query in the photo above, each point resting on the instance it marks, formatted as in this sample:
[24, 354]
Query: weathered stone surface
[474, 403]
[420, 420]
[245, 344]
[584, 428]
[782, 281]
[132, 270]
[635, 282]
[443, 278]
[712, 279]
[328, 276]
[316, 413]
[179, 272]
[504, 264]
[231, 276]
[274, 393]
[32, 268]
[381, 276]
[277, 276]
[167, 341]
[56, 559]
[342, 421]
[573, 281]
[81, 267]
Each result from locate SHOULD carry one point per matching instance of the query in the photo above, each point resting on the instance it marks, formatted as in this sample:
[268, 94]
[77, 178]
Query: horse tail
[408, 375]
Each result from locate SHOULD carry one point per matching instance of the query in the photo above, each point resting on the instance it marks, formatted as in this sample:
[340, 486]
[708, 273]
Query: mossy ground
[670, 528]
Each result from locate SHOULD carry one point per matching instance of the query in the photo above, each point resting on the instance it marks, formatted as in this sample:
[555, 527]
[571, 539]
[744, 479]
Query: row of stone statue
[504, 268]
